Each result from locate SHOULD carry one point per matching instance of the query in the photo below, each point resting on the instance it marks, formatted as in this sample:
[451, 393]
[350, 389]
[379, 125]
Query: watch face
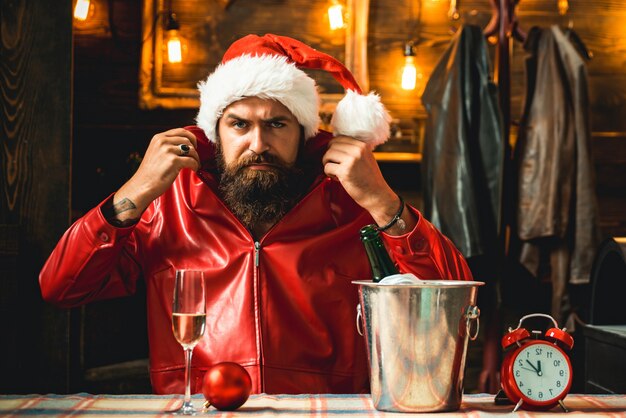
[541, 372]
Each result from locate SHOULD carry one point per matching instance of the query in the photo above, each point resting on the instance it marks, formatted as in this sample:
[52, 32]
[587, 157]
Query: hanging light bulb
[174, 47]
[81, 9]
[563, 6]
[409, 72]
[335, 16]
[453, 11]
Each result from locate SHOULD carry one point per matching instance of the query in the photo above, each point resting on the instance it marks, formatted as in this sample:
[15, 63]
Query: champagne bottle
[381, 263]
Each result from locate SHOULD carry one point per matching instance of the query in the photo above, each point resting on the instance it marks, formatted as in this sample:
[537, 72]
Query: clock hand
[539, 368]
[534, 368]
[530, 370]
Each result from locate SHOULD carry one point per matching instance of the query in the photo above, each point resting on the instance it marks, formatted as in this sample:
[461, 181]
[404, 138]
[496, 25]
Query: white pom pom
[362, 117]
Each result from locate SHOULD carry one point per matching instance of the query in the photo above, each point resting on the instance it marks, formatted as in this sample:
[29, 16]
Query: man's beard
[260, 196]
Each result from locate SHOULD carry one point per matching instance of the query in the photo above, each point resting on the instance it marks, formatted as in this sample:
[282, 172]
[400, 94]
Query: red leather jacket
[283, 307]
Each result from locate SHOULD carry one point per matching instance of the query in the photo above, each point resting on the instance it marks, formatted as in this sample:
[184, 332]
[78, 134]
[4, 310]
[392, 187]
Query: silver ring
[184, 149]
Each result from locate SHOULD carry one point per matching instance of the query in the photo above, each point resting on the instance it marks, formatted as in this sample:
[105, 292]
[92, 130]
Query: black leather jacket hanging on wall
[463, 147]
[557, 209]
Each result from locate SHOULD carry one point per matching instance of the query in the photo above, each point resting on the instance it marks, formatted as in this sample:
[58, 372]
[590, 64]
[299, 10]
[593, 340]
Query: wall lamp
[81, 10]
[411, 73]
[174, 46]
[335, 16]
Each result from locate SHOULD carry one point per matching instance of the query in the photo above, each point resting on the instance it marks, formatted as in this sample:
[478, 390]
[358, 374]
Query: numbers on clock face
[541, 372]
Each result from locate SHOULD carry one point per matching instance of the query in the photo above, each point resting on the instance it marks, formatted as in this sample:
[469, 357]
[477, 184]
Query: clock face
[542, 372]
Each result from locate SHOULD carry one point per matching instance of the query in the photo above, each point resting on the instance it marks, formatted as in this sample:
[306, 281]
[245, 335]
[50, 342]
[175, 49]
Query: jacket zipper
[257, 296]
[257, 256]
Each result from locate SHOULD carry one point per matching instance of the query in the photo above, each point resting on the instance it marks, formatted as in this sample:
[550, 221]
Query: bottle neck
[380, 262]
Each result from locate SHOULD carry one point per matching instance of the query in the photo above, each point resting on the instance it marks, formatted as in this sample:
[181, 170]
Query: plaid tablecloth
[473, 406]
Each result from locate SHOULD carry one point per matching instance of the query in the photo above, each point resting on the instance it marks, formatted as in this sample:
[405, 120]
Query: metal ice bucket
[417, 338]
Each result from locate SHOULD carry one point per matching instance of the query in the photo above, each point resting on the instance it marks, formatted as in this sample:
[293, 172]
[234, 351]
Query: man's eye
[276, 124]
[239, 124]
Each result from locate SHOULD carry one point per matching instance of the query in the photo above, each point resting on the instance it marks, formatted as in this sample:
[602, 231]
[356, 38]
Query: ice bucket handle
[358, 320]
[472, 313]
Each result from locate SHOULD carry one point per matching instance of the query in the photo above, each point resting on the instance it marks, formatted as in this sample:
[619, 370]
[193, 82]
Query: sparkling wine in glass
[188, 323]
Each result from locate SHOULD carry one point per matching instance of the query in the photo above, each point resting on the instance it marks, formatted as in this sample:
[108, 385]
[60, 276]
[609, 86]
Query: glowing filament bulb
[174, 48]
[409, 73]
[563, 6]
[81, 10]
[335, 16]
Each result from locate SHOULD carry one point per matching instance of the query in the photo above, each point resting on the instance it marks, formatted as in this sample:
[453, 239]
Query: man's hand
[352, 163]
[160, 166]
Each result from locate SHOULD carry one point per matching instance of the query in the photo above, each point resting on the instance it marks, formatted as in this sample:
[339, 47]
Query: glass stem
[188, 352]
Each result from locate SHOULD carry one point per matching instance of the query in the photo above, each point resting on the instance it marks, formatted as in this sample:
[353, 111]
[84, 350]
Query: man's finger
[331, 169]
[184, 133]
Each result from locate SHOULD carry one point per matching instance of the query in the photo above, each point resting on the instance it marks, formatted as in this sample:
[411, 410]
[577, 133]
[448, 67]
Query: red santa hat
[269, 67]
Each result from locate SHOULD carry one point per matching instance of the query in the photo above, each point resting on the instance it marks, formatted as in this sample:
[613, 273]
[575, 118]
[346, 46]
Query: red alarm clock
[536, 374]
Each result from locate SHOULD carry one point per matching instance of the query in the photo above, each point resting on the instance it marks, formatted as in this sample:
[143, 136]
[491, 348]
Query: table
[263, 405]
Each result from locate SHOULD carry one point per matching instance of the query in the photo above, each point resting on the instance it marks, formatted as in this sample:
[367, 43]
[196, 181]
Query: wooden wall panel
[35, 133]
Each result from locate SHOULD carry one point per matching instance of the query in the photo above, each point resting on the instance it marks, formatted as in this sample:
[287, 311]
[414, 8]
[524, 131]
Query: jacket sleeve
[427, 253]
[93, 260]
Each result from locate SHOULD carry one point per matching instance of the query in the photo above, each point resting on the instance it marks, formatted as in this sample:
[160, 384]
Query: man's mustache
[262, 159]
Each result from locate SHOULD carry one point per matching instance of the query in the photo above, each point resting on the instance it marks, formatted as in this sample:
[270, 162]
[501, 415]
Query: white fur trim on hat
[266, 77]
[362, 117]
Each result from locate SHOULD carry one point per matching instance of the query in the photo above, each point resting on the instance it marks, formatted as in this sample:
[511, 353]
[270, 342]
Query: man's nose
[258, 141]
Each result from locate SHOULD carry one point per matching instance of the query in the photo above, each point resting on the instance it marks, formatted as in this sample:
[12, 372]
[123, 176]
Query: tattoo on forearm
[122, 206]
[112, 211]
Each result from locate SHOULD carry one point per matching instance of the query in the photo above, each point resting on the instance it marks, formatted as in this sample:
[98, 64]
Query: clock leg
[518, 405]
[501, 398]
[563, 406]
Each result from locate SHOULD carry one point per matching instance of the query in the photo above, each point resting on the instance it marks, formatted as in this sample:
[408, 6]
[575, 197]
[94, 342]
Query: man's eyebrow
[233, 116]
[279, 118]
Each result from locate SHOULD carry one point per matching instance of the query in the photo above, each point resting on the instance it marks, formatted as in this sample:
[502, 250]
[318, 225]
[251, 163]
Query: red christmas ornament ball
[226, 386]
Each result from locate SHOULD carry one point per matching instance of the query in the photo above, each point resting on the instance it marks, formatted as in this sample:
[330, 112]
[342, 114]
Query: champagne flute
[188, 323]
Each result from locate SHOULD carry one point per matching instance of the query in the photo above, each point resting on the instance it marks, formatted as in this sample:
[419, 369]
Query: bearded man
[270, 208]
